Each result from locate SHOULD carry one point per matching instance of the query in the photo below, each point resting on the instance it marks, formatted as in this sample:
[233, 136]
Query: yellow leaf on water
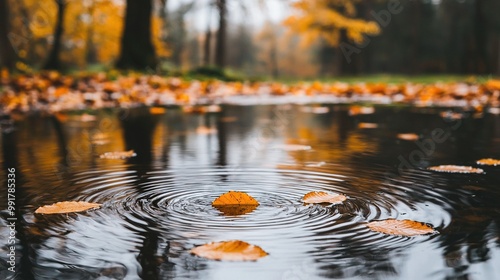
[234, 250]
[323, 197]
[235, 198]
[67, 207]
[489, 161]
[408, 136]
[456, 169]
[400, 227]
[119, 155]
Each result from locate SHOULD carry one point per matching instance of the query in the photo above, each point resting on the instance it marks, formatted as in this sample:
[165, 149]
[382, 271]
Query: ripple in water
[176, 205]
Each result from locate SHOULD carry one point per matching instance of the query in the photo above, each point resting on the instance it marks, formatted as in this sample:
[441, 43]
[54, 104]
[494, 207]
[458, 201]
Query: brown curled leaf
[67, 207]
[400, 227]
[234, 250]
[323, 197]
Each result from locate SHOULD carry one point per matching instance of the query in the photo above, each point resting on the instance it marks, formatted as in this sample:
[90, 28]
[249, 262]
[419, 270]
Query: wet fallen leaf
[67, 207]
[400, 227]
[235, 210]
[408, 136]
[119, 155]
[367, 125]
[235, 198]
[323, 197]
[456, 169]
[157, 110]
[234, 250]
[293, 148]
[489, 161]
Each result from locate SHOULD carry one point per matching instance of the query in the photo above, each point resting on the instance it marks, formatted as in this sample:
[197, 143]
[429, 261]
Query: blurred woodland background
[257, 38]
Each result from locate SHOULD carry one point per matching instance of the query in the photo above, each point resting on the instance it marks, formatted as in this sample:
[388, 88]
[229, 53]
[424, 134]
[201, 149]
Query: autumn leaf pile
[53, 92]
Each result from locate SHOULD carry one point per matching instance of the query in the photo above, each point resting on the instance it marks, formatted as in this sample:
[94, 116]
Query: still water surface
[157, 206]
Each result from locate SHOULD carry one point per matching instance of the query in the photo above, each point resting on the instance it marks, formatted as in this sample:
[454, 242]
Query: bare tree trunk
[207, 50]
[90, 51]
[220, 49]
[53, 62]
[7, 52]
[137, 51]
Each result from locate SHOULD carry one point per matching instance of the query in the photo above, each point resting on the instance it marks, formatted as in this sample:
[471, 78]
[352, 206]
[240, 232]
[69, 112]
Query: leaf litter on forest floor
[67, 207]
[400, 227]
[234, 250]
[456, 169]
[323, 197]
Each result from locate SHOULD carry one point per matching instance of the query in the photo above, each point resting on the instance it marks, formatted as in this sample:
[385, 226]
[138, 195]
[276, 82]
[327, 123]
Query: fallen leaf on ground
[234, 250]
[456, 169]
[489, 161]
[323, 197]
[367, 125]
[400, 227]
[408, 136]
[67, 207]
[235, 199]
[119, 155]
[293, 148]
[157, 110]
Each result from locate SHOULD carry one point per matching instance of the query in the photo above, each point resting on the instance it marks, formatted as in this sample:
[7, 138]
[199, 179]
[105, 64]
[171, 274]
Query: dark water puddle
[157, 205]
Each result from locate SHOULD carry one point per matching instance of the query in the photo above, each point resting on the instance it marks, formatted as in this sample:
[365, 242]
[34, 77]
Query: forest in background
[319, 38]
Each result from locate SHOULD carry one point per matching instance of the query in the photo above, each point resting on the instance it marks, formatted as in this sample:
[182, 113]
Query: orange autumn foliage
[234, 250]
[400, 227]
[67, 207]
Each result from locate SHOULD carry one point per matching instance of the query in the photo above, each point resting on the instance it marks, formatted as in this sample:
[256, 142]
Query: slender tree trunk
[137, 51]
[53, 62]
[208, 40]
[7, 52]
[220, 49]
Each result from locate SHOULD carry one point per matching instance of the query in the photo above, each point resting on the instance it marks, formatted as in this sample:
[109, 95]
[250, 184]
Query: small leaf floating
[234, 250]
[323, 197]
[489, 161]
[235, 203]
[400, 227]
[67, 207]
[367, 125]
[408, 136]
[118, 155]
[235, 198]
[456, 169]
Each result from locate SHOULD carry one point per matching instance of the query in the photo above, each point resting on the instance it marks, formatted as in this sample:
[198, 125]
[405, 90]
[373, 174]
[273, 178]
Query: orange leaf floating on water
[157, 110]
[67, 207]
[367, 125]
[489, 161]
[234, 198]
[324, 197]
[456, 169]
[400, 227]
[119, 155]
[234, 250]
[408, 136]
